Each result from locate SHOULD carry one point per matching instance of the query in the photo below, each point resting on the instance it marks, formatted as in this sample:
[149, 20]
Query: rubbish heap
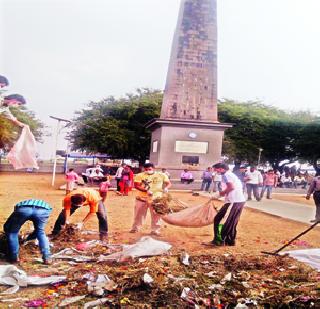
[157, 276]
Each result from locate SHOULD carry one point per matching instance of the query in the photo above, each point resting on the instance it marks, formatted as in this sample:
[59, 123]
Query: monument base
[180, 144]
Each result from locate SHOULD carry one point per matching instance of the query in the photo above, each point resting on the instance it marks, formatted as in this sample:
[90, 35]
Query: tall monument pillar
[188, 133]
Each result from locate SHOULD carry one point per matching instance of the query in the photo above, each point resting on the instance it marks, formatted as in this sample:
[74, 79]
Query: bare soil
[256, 231]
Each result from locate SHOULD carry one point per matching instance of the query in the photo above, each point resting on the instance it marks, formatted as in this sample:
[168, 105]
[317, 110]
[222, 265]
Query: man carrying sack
[235, 199]
[149, 185]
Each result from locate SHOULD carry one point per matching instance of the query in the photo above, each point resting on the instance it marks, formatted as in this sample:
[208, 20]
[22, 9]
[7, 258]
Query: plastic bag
[23, 153]
[146, 246]
[195, 216]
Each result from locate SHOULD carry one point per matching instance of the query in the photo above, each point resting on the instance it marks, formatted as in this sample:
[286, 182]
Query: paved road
[288, 210]
[197, 185]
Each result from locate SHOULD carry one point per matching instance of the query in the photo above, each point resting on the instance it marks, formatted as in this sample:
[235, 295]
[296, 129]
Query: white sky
[60, 54]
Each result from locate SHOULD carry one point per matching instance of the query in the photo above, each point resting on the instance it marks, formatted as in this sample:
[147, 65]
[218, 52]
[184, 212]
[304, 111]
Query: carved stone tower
[188, 134]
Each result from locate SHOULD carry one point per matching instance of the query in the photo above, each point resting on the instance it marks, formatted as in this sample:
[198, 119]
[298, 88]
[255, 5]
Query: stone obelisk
[188, 133]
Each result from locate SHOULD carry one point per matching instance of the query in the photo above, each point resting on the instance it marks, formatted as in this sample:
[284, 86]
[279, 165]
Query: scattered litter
[71, 300]
[146, 246]
[35, 303]
[11, 275]
[83, 246]
[309, 256]
[188, 295]
[147, 278]
[185, 258]
[95, 303]
[14, 289]
[226, 278]
[17, 299]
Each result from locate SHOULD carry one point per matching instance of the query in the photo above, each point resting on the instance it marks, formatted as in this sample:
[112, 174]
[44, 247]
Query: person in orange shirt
[79, 198]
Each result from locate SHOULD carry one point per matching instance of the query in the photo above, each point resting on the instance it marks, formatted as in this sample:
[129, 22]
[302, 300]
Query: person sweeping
[235, 199]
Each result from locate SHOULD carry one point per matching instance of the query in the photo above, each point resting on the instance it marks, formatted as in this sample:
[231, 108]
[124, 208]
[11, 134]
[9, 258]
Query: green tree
[117, 126]
[257, 125]
[307, 146]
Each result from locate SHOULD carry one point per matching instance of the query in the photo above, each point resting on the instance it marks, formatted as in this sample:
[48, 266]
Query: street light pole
[259, 157]
[55, 147]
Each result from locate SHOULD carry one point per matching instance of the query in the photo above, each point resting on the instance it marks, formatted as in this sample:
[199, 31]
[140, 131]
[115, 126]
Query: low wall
[45, 168]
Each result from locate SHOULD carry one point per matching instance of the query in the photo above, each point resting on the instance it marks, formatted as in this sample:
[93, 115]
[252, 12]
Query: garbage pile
[172, 280]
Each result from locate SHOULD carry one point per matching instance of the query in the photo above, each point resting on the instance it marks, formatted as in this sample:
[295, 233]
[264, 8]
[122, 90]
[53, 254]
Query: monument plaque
[189, 123]
[191, 147]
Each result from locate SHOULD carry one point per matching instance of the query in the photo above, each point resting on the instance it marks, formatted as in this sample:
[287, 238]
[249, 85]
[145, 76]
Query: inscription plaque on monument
[191, 147]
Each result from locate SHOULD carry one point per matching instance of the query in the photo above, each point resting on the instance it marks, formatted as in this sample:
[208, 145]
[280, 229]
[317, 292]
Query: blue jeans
[39, 217]
[269, 191]
[206, 183]
[217, 186]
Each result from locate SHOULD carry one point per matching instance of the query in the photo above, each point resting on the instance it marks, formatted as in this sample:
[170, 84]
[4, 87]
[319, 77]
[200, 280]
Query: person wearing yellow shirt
[149, 185]
[80, 198]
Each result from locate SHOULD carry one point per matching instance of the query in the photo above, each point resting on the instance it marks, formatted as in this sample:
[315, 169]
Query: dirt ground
[256, 231]
[254, 235]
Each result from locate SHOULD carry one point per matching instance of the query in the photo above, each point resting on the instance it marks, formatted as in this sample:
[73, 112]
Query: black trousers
[101, 215]
[316, 198]
[229, 230]
[118, 184]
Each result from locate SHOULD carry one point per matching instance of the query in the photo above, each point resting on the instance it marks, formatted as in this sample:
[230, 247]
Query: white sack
[146, 246]
[23, 153]
[310, 257]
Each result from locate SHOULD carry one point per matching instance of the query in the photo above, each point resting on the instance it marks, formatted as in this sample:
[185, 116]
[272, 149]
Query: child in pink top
[270, 181]
[104, 187]
[72, 178]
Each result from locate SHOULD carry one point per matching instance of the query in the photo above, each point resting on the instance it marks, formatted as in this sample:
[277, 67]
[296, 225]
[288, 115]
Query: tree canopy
[257, 125]
[117, 127]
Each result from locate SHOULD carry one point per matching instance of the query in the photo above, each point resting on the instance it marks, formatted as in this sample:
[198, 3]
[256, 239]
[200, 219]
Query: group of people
[149, 185]
[124, 178]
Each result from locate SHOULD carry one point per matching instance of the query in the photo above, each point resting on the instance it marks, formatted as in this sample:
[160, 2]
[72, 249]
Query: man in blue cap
[36, 211]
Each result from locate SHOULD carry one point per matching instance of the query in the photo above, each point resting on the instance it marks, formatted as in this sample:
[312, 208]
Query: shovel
[291, 241]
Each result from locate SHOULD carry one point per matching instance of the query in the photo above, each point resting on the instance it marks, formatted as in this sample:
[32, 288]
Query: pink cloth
[104, 186]
[195, 216]
[140, 213]
[270, 179]
[72, 176]
[23, 153]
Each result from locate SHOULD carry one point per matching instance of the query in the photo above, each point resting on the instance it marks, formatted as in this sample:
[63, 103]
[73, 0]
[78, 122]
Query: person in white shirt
[186, 176]
[118, 175]
[234, 197]
[253, 180]
[216, 182]
[95, 175]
